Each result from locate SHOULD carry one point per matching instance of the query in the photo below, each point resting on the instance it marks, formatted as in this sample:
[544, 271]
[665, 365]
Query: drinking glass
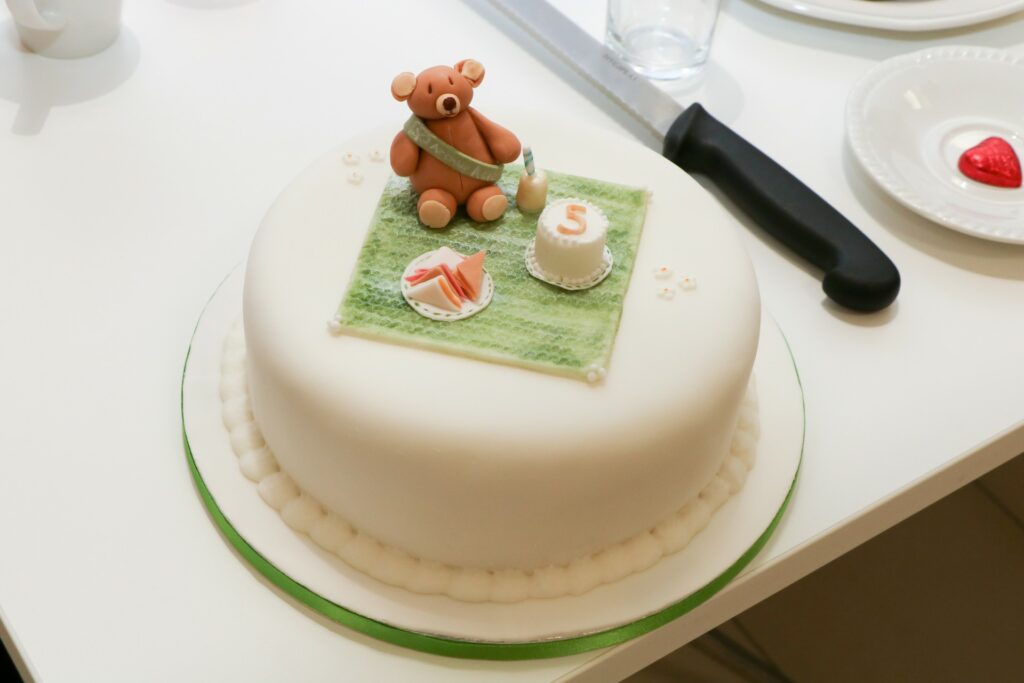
[662, 39]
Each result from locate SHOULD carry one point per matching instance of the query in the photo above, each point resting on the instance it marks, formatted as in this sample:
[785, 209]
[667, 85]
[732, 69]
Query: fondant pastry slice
[441, 271]
[416, 275]
[445, 255]
[436, 292]
[471, 274]
[453, 281]
[424, 274]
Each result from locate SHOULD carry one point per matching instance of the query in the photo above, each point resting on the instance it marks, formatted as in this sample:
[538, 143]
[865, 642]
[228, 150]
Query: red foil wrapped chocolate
[993, 162]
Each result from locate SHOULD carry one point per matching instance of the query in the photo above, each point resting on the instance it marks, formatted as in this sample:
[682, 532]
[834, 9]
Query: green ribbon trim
[458, 161]
[450, 647]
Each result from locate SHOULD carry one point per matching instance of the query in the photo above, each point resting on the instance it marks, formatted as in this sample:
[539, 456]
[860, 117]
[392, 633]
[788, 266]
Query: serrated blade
[652, 108]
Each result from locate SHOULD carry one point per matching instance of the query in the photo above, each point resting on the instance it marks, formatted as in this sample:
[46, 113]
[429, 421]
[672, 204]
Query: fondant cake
[569, 249]
[443, 472]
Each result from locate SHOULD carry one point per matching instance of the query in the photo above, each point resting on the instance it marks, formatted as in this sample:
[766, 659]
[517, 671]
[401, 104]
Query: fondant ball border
[390, 565]
[450, 647]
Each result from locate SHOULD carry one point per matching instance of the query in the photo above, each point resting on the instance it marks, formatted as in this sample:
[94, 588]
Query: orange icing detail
[439, 270]
[471, 274]
[424, 274]
[416, 275]
[450, 293]
[577, 214]
[453, 281]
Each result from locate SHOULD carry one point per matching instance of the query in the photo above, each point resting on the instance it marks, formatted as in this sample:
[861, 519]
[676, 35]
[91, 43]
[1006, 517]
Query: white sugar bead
[746, 457]
[362, 552]
[584, 574]
[235, 335]
[232, 360]
[301, 513]
[674, 534]
[257, 464]
[734, 472]
[742, 442]
[613, 562]
[235, 412]
[330, 532]
[643, 550]
[278, 489]
[471, 585]
[715, 493]
[429, 578]
[695, 514]
[749, 422]
[246, 437]
[394, 567]
[233, 385]
[750, 399]
[549, 582]
[510, 585]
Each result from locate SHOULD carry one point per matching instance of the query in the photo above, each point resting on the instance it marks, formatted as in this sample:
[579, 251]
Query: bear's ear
[472, 70]
[403, 85]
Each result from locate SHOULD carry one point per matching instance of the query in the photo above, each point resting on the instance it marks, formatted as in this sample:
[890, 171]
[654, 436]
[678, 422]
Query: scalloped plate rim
[879, 170]
[866, 14]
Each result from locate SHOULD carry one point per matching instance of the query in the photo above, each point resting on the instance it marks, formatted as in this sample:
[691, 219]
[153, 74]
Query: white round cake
[570, 244]
[507, 483]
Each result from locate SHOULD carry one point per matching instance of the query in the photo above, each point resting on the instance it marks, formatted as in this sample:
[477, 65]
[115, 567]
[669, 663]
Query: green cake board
[529, 323]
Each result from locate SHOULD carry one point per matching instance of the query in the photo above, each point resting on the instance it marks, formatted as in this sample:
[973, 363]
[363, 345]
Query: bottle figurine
[532, 194]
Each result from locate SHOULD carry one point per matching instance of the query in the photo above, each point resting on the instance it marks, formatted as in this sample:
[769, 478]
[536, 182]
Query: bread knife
[857, 274]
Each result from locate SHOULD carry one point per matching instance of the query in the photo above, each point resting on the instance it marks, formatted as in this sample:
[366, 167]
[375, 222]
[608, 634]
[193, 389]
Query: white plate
[902, 15]
[469, 308]
[911, 117]
[733, 528]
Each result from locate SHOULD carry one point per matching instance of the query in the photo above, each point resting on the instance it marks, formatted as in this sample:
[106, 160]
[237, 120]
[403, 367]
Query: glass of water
[662, 39]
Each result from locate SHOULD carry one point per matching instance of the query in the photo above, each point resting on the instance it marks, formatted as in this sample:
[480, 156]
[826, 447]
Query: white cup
[66, 29]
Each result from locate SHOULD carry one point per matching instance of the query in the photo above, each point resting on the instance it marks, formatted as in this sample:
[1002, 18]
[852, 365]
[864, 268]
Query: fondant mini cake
[569, 249]
[535, 450]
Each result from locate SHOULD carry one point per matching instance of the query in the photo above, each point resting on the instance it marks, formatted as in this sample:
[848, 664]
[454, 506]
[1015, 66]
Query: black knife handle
[858, 275]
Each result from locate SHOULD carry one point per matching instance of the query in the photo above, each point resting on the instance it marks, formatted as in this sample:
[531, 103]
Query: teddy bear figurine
[450, 152]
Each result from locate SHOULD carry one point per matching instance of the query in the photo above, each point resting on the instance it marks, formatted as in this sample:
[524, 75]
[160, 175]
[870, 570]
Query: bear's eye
[430, 89]
[450, 81]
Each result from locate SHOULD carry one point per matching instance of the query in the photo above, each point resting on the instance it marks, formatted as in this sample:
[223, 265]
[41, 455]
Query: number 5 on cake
[577, 213]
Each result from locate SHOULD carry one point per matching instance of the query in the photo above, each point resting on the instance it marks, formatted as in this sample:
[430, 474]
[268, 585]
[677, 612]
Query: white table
[125, 202]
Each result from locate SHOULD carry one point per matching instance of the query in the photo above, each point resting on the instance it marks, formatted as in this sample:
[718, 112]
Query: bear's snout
[448, 105]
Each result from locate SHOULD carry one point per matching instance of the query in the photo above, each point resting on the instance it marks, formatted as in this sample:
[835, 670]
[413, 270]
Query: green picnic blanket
[529, 323]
